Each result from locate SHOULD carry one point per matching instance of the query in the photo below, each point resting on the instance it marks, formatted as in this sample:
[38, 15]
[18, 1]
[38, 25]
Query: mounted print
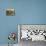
[32, 32]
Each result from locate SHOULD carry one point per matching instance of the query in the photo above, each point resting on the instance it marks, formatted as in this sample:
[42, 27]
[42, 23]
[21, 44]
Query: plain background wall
[27, 12]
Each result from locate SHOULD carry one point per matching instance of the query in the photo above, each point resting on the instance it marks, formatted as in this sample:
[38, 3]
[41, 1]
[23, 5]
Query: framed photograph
[10, 12]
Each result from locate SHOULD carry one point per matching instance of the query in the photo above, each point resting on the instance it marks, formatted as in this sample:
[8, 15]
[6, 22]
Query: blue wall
[27, 12]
